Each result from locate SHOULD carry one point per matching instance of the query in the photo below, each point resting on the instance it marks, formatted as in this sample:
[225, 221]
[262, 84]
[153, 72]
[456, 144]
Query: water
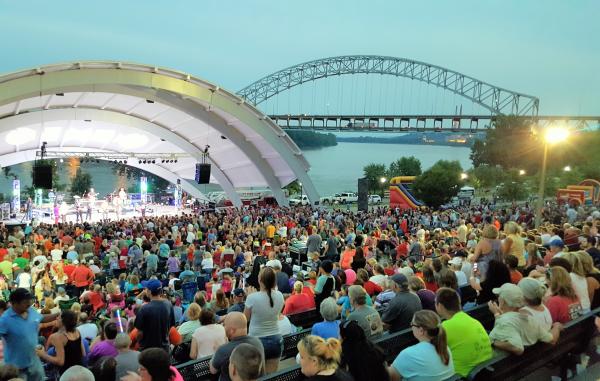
[333, 169]
[336, 169]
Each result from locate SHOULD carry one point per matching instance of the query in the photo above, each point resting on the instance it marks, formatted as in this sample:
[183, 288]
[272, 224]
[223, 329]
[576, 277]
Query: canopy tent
[133, 108]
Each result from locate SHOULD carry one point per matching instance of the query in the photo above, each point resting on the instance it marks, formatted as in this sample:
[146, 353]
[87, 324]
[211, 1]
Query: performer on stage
[78, 211]
[122, 196]
[64, 209]
[56, 213]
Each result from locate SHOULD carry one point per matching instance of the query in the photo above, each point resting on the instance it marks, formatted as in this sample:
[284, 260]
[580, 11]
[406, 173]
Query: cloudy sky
[547, 48]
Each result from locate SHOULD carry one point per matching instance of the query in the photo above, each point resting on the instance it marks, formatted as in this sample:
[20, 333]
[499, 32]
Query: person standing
[82, 277]
[262, 309]
[19, 328]
[154, 319]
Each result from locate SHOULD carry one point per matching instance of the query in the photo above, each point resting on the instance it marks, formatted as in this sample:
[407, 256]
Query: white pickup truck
[299, 200]
[347, 198]
[329, 200]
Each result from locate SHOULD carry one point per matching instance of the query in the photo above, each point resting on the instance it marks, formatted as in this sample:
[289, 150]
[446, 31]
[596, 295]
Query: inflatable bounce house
[400, 195]
[586, 192]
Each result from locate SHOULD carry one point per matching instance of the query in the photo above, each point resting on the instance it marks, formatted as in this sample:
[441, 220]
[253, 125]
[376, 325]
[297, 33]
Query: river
[333, 169]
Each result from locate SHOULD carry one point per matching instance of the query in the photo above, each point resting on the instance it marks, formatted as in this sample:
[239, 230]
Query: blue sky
[547, 48]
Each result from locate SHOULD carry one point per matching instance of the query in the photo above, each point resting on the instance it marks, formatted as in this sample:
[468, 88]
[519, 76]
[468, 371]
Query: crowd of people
[124, 300]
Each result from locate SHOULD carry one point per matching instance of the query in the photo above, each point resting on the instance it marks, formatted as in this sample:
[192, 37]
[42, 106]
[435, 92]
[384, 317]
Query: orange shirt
[82, 276]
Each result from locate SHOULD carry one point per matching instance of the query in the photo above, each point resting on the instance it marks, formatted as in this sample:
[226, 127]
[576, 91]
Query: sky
[546, 48]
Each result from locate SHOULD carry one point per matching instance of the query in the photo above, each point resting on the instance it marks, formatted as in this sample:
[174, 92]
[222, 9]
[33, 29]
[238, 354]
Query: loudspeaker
[42, 176]
[202, 173]
[363, 196]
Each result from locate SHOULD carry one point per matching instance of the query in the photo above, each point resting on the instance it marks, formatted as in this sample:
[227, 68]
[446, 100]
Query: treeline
[312, 139]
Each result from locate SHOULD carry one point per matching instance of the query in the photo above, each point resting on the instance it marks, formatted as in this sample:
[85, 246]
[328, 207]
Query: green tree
[374, 172]
[81, 183]
[510, 144]
[405, 166]
[513, 188]
[487, 176]
[437, 185]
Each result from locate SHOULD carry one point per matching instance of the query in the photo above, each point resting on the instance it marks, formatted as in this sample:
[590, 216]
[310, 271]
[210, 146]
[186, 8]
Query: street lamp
[521, 172]
[552, 136]
[382, 180]
[567, 168]
[464, 176]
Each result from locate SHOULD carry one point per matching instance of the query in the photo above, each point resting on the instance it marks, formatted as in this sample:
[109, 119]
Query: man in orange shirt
[82, 277]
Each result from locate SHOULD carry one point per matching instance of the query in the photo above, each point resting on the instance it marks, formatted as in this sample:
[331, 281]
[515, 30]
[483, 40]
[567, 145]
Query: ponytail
[438, 339]
[270, 298]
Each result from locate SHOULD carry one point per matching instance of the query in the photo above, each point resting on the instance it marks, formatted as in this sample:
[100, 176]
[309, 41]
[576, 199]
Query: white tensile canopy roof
[130, 108]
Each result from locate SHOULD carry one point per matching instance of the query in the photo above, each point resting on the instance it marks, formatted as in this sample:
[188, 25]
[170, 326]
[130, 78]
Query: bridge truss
[495, 99]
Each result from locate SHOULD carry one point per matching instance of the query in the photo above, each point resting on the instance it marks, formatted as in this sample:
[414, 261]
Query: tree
[487, 176]
[405, 166]
[437, 185]
[513, 188]
[81, 183]
[510, 144]
[374, 172]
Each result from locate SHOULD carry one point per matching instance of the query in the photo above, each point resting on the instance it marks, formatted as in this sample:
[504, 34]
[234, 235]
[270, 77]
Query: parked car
[299, 200]
[347, 198]
[328, 200]
[374, 199]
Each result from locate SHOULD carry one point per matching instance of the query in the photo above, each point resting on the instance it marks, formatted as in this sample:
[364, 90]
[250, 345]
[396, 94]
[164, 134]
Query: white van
[466, 193]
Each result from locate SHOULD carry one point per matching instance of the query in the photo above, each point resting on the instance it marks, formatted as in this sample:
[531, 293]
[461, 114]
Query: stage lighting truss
[118, 158]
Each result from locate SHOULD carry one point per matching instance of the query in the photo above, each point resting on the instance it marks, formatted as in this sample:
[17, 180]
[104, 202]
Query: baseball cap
[239, 292]
[532, 288]
[19, 295]
[511, 293]
[455, 261]
[274, 263]
[557, 242]
[152, 285]
[400, 279]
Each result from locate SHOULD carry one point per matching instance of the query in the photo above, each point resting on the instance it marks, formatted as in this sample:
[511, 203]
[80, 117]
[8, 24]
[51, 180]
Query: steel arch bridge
[496, 99]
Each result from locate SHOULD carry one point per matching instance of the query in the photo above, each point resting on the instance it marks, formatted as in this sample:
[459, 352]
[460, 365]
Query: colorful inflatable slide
[586, 193]
[400, 195]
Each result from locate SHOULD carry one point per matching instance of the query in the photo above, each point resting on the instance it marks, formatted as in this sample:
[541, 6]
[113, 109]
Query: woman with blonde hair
[320, 359]
[487, 249]
[563, 303]
[592, 276]
[430, 358]
[513, 243]
[186, 330]
[580, 284]
[299, 301]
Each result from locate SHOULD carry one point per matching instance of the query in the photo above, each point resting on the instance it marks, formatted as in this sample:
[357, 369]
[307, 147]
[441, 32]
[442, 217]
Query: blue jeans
[35, 372]
[273, 346]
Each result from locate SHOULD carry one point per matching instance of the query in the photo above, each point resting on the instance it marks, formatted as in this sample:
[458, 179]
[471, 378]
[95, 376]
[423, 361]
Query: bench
[305, 319]
[288, 374]
[197, 370]
[574, 339]
[482, 314]
[394, 343]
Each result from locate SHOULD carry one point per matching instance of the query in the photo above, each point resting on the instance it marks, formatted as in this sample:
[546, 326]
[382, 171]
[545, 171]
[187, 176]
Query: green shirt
[6, 268]
[21, 262]
[468, 341]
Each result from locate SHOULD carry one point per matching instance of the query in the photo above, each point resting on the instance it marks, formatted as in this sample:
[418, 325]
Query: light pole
[382, 180]
[552, 136]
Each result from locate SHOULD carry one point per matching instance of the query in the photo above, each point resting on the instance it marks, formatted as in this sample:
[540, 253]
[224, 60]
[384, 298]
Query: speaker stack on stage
[363, 196]
[203, 169]
[42, 171]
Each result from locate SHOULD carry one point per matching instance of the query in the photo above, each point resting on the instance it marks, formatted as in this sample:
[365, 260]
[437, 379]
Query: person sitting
[563, 303]
[67, 343]
[427, 297]
[370, 287]
[512, 262]
[533, 294]
[383, 298]
[429, 359]
[467, 339]
[513, 331]
[330, 327]
[320, 359]
[208, 337]
[154, 366]
[366, 316]
[106, 346]
[360, 357]
[246, 363]
[127, 359]
[187, 329]
[401, 309]
[236, 329]
[298, 301]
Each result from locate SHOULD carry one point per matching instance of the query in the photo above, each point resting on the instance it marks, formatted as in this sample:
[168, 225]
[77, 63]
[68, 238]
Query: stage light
[153, 161]
[97, 161]
[124, 161]
[145, 162]
[176, 160]
[162, 161]
[139, 162]
[62, 160]
[115, 162]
